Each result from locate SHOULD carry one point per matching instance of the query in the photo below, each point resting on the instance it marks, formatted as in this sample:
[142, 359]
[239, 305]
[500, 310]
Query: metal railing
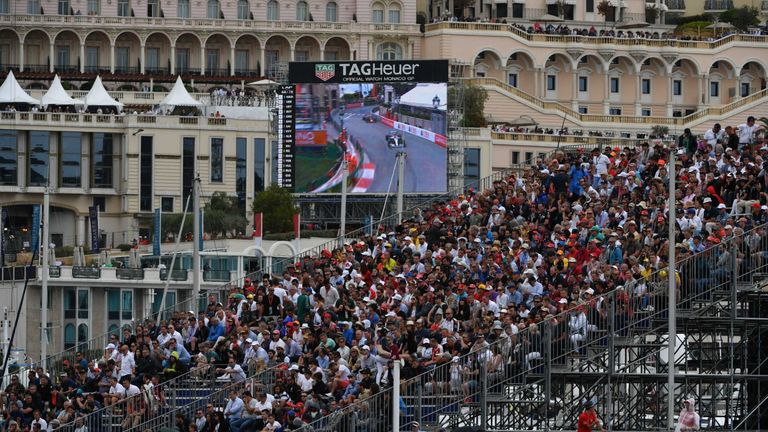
[516, 371]
[257, 380]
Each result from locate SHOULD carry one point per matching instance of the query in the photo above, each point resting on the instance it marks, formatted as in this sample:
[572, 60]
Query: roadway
[425, 165]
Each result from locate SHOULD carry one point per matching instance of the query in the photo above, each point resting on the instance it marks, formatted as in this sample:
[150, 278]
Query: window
[91, 58]
[62, 56]
[471, 166]
[166, 204]
[259, 153]
[146, 158]
[515, 157]
[82, 333]
[211, 60]
[301, 55]
[33, 7]
[99, 202]
[614, 111]
[94, 7]
[153, 8]
[583, 110]
[517, 10]
[69, 336]
[590, 6]
[70, 159]
[213, 9]
[744, 92]
[241, 170]
[583, 83]
[152, 58]
[394, 14]
[528, 157]
[123, 8]
[677, 87]
[302, 11]
[187, 167]
[119, 305]
[243, 10]
[9, 162]
[182, 60]
[122, 58]
[331, 10]
[645, 86]
[273, 10]
[101, 160]
[614, 85]
[714, 89]
[170, 300]
[38, 158]
[63, 7]
[241, 61]
[331, 55]
[182, 9]
[512, 79]
[551, 82]
[5, 7]
[377, 13]
[645, 112]
[389, 51]
[82, 303]
[217, 160]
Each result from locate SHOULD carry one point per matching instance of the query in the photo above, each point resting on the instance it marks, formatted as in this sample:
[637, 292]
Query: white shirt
[711, 136]
[117, 389]
[132, 391]
[127, 365]
[746, 132]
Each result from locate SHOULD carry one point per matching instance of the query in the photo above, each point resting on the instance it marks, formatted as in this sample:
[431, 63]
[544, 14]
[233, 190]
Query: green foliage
[64, 251]
[764, 121]
[679, 20]
[602, 8]
[651, 13]
[124, 247]
[694, 28]
[474, 105]
[278, 209]
[742, 18]
[659, 130]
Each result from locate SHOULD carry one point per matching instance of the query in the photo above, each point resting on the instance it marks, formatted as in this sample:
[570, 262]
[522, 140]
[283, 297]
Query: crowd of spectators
[451, 279]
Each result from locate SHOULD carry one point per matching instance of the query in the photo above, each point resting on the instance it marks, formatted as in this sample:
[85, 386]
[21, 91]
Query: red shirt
[587, 419]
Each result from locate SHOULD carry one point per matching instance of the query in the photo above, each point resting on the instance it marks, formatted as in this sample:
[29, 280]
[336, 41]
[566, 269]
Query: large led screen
[369, 113]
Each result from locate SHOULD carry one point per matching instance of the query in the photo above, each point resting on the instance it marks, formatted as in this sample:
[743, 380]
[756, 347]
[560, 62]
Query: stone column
[575, 91]
[82, 57]
[143, 59]
[670, 87]
[80, 232]
[52, 57]
[112, 58]
[202, 60]
[232, 60]
[607, 100]
[173, 59]
[21, 56]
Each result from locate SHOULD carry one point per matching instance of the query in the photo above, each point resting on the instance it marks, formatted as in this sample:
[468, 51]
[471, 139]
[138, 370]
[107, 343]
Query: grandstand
[536, 289]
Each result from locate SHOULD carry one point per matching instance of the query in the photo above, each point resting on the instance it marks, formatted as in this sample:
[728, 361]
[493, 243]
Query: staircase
[539, 380]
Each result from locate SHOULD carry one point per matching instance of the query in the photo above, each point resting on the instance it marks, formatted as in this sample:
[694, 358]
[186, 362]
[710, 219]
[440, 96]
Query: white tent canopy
[56, 95]
[423, 95]
[12, 93]
[179, 96]
[98, 96]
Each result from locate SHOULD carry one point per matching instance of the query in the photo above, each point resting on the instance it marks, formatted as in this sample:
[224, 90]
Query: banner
[93, 215]
[156, 234]
[257, 224]
[34, 245]
[3, 214]
[311, 138]
[202, 233]
[296, 226]
[413, 130]
[368, 71]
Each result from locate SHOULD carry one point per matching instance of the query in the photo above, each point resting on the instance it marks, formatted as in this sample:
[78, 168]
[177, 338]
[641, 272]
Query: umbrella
[133, 259]
[237, 296]
[549, 18]
[76, 257]
[720, 25]
[523, 121]
[631, 25]
[263, 82]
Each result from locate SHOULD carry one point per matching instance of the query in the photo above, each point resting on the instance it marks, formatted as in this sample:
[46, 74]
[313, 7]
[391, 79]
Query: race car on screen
[395, 139]
[369, 118]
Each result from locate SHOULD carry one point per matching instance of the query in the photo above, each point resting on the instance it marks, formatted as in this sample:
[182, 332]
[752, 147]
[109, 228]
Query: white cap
[293, 367]
[110, 346]
[366, 347]
[397, 297]
[249, 340]
[563, 301]
[408, 238]
[305, 326]
[721, 206]
[707, 200]
[425, 341]
[590, 291]
[367, 323]
[390, 314]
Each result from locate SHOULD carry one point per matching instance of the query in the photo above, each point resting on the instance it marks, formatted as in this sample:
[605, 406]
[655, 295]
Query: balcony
[19, 273]
[83, 272]
[217, 276]
[104, 122]
[85, 22]
[176, 275]
[717, 5]
[676, 5]
[217, 72]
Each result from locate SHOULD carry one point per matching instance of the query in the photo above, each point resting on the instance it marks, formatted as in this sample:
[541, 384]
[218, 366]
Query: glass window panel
[614, 85]
[153, 9]
[145, 171]
[714, 89]
[645, 85]
[677, 87]
[217, 159]
[4, 6]
[122, 57]
[182, 9]
[331, 11]
[211, 59]
[113, 304]
[377, 16]
[551, 82]
[63, 7]
[583, 83]
[243, 10]
[241, 60]
[182, 59]
[70, 159]
[82, 304]
[62, 56]
[70, 304]
[213, 9]
[187, 167]
[166, 204]
[9, 162]
[69, 336]
[123, 8]
[394, 16]
[302, 11]
[241, 170]
[38, 158]
[82, 333]
[127, 306]
[259, 147]
[273, 10]
[94, 7]
[33, 7]
[101, 159]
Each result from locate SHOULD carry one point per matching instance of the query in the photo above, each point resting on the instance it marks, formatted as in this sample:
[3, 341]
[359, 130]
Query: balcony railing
[83, 272]
[43, 68]
[217, 72]
[176, 275]
[156, 71]
[130, 273]
[8, 67]
[107, 120]
[54, 272]
[127, 70]
[96, 69]
[18, 273]
[711, 5]
[88, 22]
[216, 276]
[676, 5]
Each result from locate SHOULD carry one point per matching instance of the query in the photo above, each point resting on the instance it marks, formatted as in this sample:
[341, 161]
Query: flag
[202, 224]
[257, 224]
[156, 235]
[93, 215]
[296, 226]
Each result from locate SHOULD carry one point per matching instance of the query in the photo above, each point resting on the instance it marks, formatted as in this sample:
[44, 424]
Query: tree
[602, 8]
[742, 18]
[278, 209]
[474, 105]
[223, 214]
[651, 13]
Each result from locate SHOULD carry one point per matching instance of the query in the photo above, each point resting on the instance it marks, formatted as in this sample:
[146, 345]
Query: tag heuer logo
[325, 71]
